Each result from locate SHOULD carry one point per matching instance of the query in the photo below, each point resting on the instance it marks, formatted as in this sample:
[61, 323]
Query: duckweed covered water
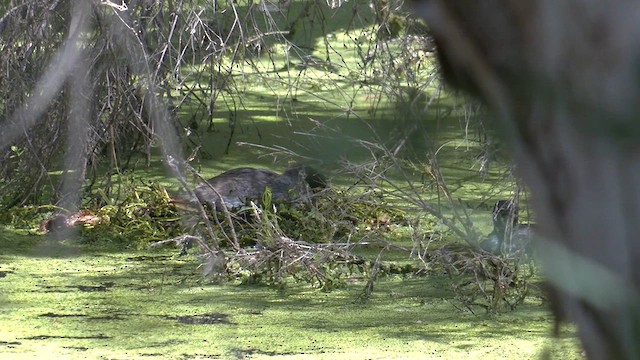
[66, 301]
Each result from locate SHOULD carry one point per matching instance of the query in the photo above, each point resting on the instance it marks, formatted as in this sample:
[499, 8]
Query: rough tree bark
[563, 78]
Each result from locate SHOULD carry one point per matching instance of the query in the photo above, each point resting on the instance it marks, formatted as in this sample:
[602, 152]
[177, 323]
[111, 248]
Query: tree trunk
[563, 78]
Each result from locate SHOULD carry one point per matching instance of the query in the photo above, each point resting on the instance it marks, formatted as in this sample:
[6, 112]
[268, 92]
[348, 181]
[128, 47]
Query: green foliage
[309, 242]
[280, 257]
[144, 214]
[269, 87]
[27, 217]
[286, 263]
[480, 279]
[337, 215]
[331, 216]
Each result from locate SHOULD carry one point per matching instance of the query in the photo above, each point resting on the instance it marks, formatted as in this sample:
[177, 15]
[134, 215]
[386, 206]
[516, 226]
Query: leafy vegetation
[414, 173]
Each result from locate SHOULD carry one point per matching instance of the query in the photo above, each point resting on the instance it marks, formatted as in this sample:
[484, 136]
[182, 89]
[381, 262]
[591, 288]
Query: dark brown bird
[508, 236]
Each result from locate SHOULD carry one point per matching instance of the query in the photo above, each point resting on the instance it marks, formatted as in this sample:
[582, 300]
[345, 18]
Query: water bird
[508, 237]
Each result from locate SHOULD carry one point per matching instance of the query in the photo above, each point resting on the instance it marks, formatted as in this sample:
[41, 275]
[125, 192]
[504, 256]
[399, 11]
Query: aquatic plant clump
[482, 279]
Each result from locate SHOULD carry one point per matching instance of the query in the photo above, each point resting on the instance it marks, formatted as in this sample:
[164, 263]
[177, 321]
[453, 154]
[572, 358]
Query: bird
[234, 188]
[508, 237]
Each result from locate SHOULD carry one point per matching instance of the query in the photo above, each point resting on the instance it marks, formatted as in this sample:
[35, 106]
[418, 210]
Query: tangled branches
[274, 242]
[318, 264]
[479, 278]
